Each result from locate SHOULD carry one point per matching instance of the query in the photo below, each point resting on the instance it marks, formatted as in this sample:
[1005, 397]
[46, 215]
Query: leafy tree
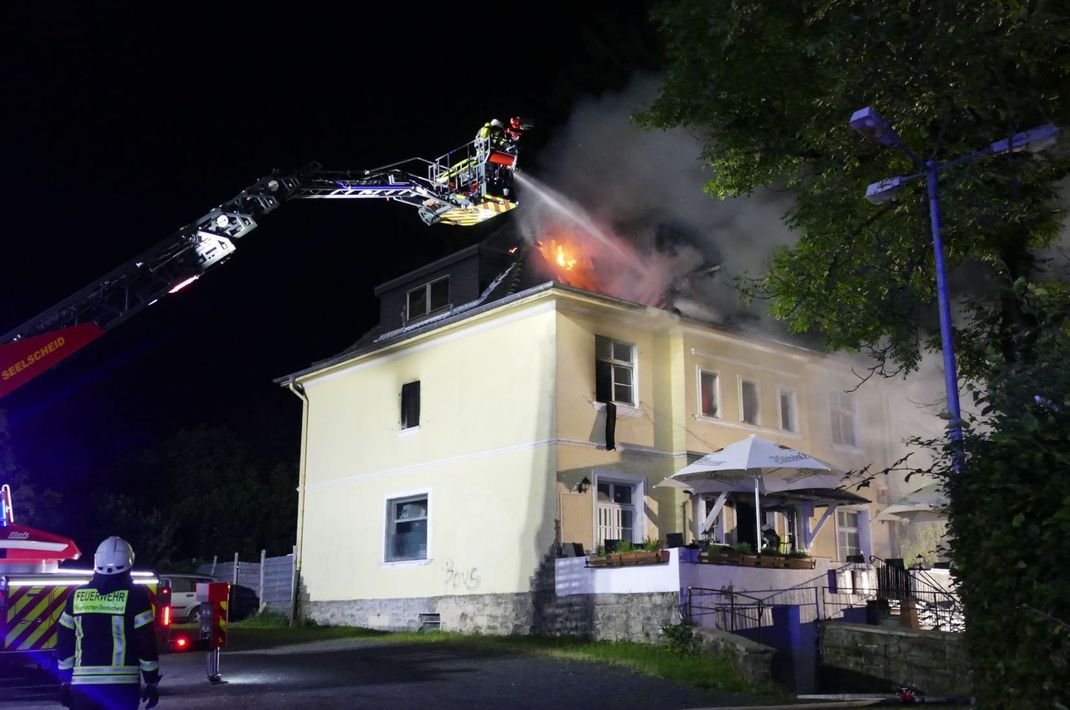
[1009, 518]
[204, 491]
[35, 505]
[769, 88]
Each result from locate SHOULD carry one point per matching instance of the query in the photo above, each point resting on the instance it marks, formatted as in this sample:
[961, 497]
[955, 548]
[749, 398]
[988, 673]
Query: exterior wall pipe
[302, 473]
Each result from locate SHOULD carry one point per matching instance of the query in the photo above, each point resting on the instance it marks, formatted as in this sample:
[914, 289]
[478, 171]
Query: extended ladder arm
[464, 187]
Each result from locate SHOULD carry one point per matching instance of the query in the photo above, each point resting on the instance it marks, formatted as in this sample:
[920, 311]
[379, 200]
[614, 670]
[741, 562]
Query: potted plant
[649, 551]
[628, 553]
[718, 555]
[799, 559]
[770, 557]
[745, 554]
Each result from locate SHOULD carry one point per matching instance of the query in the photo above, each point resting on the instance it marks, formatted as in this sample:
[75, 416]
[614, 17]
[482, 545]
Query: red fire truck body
[30, 605]
[34, 589]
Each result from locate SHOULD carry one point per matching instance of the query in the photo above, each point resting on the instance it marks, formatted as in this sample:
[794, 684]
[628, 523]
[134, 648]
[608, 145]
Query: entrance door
[745, 531]
[616, 512]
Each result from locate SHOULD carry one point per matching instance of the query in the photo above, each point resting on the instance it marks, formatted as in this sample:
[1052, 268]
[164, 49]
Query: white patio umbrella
[924, 505]
[754, 464]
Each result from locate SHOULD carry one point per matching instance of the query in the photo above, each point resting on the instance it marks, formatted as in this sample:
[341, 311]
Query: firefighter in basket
[491, 135]
[106, 641]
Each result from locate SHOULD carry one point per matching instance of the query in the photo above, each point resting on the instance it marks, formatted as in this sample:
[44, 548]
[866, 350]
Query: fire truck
[464, 187]
[34, 589]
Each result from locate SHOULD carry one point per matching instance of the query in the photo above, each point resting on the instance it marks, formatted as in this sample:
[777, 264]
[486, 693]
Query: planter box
[799, 562]
[766, 561]
[718, 558]
[771, 561]
[629, 559]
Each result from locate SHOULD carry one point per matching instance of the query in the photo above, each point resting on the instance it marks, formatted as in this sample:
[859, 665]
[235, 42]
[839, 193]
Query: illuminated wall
[482, 453]
[509, 428]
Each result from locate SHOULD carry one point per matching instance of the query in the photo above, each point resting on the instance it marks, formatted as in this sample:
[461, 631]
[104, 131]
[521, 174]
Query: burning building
[520, 401]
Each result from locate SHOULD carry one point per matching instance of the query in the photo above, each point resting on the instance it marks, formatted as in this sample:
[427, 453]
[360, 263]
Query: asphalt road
[348, 673]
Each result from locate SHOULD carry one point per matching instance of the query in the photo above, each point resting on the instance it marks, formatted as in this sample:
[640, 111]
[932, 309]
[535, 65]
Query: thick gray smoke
[643, 191]
[646, 188]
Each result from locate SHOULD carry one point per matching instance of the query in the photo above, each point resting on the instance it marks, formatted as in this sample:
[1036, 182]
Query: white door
[616, 512]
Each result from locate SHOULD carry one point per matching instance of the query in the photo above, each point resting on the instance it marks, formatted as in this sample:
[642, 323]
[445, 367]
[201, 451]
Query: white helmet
[496, 123]
[113, 556]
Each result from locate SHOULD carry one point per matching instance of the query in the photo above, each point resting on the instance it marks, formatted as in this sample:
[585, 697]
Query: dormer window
[428, 298]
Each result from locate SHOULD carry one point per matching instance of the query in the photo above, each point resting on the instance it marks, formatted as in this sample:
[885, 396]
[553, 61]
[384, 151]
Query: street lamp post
[869, 123]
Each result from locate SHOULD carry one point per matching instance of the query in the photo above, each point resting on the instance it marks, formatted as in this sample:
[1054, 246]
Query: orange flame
[568, 263]
[563, 258]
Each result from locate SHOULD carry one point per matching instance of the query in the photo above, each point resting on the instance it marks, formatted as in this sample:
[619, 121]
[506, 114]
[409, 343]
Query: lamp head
[1034, 140]
[870, 124]
[880, 192]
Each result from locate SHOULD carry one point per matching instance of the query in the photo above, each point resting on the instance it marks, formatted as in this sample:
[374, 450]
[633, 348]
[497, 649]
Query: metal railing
[730, 610]
[751, 611]
[913, 589]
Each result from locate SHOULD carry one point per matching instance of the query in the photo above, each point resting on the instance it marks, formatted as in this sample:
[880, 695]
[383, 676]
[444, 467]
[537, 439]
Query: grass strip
[699, 670]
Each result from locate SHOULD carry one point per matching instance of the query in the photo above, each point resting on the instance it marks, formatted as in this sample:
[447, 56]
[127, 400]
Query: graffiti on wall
[461, 578]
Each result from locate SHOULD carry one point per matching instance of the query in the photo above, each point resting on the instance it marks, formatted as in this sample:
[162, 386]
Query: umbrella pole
[757, 518]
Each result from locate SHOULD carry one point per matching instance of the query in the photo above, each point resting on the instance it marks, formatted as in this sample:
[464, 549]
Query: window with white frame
[616, 511]
[848, 540]
[842, 408]
[428, 298]
[614, 371]
[709, 394]
[406, 528]
[748, 402]
[789, 418]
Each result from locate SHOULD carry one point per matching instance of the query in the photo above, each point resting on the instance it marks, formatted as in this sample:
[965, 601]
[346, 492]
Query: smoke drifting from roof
[646, 187]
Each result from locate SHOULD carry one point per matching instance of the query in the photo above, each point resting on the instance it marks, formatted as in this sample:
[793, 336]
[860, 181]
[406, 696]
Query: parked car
[243, 602]
[184, 604]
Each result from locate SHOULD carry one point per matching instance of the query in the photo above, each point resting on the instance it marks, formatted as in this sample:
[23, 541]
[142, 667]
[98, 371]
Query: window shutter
[603, 375]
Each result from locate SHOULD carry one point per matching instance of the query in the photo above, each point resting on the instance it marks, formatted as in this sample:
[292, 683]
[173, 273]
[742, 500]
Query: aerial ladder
[464, 187]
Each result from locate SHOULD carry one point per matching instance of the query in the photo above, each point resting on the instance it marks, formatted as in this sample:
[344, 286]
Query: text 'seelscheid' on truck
[466, 186]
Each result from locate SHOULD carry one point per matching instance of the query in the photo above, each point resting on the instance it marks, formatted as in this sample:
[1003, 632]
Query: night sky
[124, 122]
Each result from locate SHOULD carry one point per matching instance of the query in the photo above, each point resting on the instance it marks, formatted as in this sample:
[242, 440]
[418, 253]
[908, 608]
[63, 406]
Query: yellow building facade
[446, 460]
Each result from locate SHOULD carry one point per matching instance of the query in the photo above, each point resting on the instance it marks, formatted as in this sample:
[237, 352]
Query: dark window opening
[787, 411]
[749, 395]
[708, 388]
[410, 405]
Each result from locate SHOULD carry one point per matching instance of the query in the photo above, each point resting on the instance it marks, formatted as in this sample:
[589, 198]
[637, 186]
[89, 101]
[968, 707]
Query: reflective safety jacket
[106, 634]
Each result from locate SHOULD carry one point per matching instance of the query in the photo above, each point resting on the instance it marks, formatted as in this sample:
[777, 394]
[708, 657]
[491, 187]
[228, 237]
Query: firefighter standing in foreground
[106, 640]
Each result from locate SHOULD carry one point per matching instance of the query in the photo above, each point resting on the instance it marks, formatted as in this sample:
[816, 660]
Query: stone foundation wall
[933, 660]
[497, 614]
[754, 659]
[608, 617]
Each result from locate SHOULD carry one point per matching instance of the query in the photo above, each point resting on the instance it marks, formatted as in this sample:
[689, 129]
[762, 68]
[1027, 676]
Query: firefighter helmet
[496, 123]
[113, 556]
